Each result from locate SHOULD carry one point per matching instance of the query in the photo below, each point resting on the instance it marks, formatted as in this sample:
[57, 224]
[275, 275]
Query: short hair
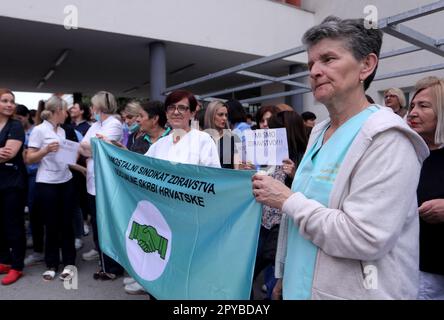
[236, 113]
[210, 111]
[263, 110]
[357, 39]
[133, 108]
[307, 115]
[51, 106]
[436, 86]
[22, 110]
[86, 111]
[178, 95]
[155, 108]
[397, 92]
[105, 101]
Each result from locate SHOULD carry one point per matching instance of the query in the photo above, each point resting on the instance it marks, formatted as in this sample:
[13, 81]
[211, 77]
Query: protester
[151, 120]
[426, 117]
[131, 112]
[23, 114]
[12, 191]
[184, 144]
[341, 222]
[80, 115]
[271, 217]
[264, 114]
[309, 121]
[216, 124]
[103, 108]
[237, 117]
[54, 188]
[394, 98]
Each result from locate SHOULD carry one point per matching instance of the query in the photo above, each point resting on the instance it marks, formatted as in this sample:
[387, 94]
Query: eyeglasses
[181, 108]
[390, 96]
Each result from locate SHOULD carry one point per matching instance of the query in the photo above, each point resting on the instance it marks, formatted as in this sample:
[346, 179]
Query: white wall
[249, 26]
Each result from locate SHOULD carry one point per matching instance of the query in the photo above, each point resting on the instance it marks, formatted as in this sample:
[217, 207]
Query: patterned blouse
[272, 216]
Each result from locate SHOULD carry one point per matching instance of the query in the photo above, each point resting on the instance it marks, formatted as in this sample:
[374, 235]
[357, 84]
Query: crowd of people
[355, 212]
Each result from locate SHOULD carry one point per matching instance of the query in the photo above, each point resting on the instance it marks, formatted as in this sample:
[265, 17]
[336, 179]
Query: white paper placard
[67, 152]
[265, 146]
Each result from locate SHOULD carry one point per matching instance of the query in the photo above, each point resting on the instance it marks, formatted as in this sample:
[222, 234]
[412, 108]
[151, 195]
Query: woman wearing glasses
[394, 98]
[104, 107]
[184, 145]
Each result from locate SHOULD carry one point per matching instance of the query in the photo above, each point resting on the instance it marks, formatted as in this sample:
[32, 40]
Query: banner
[182, 231]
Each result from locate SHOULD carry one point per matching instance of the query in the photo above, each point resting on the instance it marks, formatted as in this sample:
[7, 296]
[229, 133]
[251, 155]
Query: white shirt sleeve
[112, 131]
[35, 139]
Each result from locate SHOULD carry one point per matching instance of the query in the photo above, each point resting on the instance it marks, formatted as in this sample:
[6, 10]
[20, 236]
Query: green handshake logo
[148, 239]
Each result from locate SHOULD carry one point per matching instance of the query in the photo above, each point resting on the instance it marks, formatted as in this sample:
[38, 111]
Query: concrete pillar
[295, 101]
[157, 71]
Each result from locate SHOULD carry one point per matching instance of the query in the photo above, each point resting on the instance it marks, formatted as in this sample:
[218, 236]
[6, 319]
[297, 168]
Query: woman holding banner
[103, 107]
[54, 188]
[184, 145]
[351, 231]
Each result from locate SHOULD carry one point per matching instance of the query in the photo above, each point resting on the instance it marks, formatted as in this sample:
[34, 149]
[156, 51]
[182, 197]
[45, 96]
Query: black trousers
[12, 227]
[266, 250]
[109, 265]
[82, 195]
[37, 226]
[56, 205]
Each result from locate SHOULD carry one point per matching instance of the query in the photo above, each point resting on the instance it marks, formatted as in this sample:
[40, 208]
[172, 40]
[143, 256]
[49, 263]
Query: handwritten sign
[67, 152]
[265, 146]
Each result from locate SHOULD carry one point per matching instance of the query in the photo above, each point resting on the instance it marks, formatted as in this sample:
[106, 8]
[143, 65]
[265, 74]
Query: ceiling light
[49, 74]
[61, 58]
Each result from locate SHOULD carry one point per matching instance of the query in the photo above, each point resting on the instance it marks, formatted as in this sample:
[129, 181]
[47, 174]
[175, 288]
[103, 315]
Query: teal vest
[314, 178]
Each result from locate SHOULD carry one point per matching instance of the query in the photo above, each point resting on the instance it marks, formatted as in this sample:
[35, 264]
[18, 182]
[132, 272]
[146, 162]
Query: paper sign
[265, 146]
[67, 152]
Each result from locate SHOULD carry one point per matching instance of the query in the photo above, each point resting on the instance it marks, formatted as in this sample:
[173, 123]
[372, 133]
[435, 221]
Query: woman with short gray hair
[349, 231]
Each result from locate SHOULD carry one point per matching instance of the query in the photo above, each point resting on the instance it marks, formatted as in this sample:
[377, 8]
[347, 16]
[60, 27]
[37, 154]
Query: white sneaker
[78, 243]
[91, 255]
[128, 280]
[34, 258]
[134, 288]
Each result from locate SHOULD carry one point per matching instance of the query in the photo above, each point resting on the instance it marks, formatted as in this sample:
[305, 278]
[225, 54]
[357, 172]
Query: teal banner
[182, 231]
